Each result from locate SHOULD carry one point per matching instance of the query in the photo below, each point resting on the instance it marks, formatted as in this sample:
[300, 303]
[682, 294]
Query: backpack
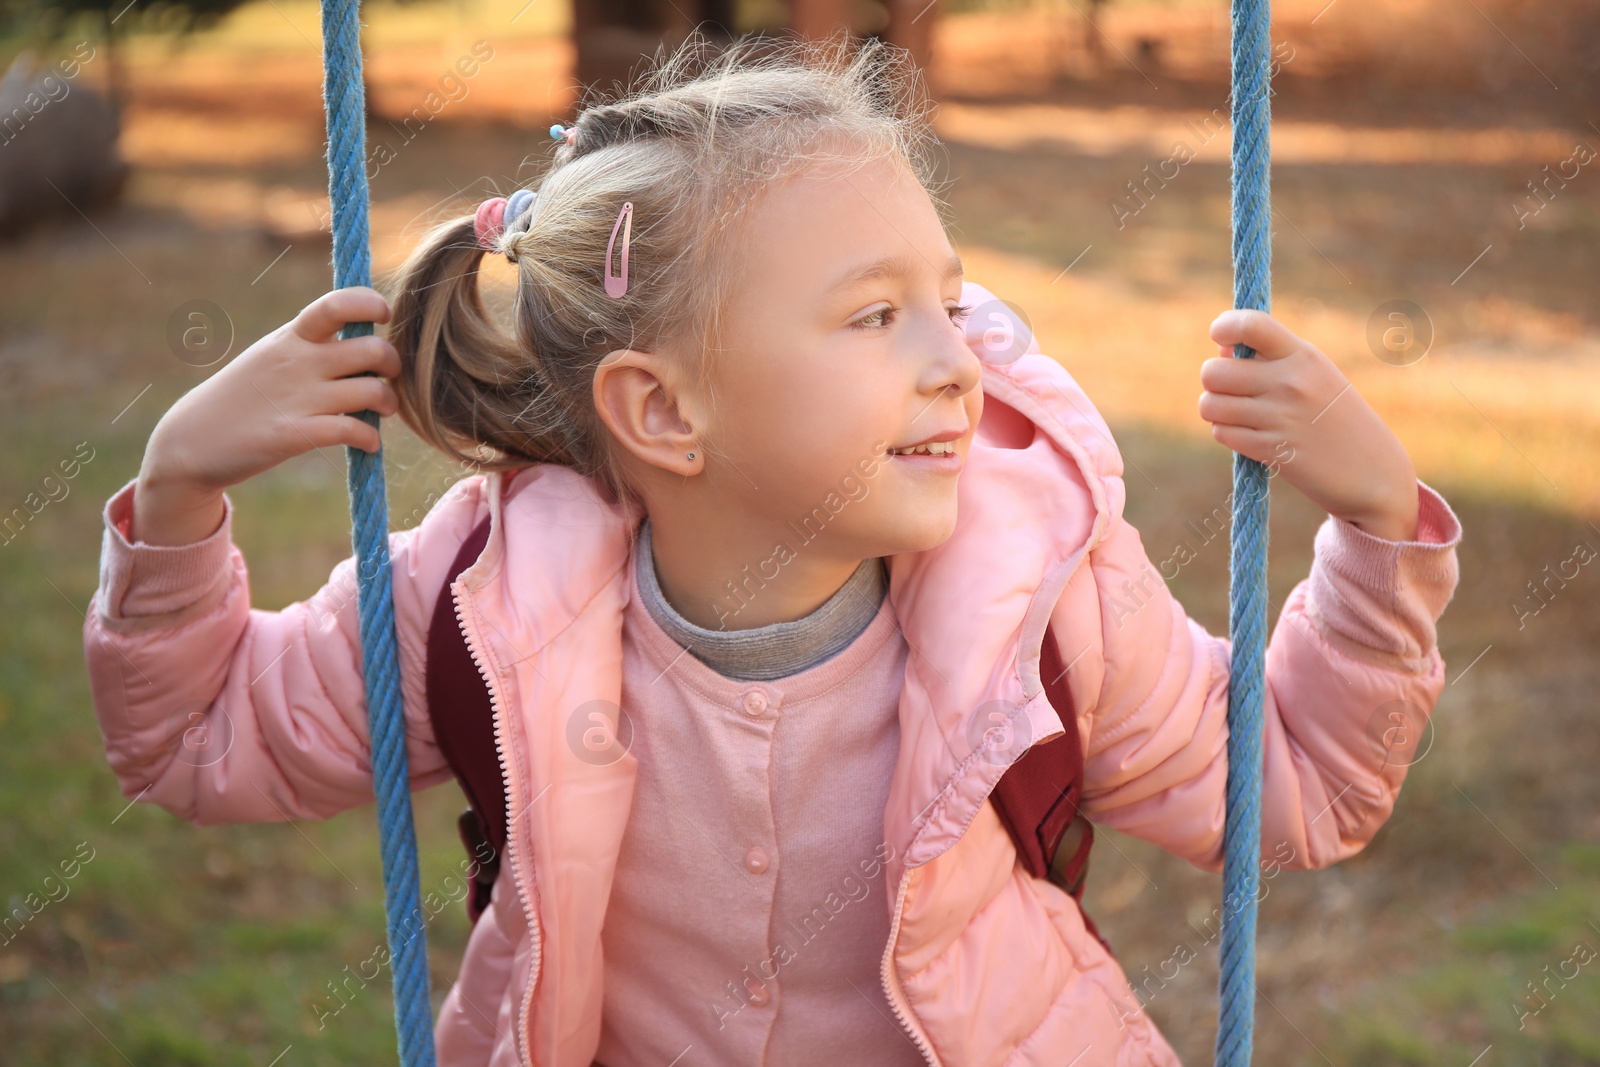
[1036, 798]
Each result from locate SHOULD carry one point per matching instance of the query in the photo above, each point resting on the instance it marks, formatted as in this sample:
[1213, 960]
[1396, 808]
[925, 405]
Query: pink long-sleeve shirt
[749, 901]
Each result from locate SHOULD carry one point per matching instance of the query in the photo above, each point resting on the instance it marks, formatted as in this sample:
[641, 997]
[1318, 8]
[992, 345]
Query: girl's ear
[639, 399]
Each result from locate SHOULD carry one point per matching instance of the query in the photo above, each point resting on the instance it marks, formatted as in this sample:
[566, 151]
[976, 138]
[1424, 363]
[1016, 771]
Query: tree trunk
[116, 93]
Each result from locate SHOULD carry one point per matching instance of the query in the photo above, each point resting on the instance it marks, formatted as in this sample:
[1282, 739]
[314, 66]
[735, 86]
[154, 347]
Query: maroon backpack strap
[1037, 797]
[463, 725]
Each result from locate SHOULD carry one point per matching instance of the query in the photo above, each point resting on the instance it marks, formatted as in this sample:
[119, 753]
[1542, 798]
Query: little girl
[780, 509]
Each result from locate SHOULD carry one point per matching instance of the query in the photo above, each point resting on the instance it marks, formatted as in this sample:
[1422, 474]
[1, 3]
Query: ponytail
[460, 389]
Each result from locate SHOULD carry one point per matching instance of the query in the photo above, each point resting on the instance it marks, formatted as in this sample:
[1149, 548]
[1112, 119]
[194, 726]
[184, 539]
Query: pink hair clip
[489, 222]
[618, 285]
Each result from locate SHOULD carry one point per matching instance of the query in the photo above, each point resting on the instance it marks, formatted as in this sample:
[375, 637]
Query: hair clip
[615, 285]
[558, 131]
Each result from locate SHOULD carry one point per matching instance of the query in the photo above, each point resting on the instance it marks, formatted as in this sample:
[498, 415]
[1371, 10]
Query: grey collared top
[778, 649]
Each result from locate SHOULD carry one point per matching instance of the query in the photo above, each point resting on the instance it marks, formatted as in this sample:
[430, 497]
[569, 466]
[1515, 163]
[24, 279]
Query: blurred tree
[1092, 38]
[50, 21]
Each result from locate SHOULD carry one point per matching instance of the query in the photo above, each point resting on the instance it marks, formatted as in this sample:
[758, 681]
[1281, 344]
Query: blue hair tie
[517, 203]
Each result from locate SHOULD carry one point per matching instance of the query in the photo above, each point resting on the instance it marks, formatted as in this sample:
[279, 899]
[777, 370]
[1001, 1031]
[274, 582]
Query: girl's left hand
[1291, 408]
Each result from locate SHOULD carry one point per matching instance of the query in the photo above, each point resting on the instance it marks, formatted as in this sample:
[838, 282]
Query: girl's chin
[926, 527]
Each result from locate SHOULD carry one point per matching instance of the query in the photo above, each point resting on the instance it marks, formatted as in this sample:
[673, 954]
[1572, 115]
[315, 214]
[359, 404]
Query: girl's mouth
[933, 448]
[947, 461]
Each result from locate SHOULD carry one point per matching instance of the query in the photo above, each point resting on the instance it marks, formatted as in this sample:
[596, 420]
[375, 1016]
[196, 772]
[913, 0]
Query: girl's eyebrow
[893, 266]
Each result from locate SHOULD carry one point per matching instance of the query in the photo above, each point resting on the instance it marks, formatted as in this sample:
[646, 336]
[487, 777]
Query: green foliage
[50, 20]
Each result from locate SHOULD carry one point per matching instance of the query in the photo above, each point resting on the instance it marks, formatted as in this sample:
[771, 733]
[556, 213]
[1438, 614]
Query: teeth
[936, 448]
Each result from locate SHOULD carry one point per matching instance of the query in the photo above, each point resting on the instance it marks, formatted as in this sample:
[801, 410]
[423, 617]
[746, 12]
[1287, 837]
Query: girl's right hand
[292, 391]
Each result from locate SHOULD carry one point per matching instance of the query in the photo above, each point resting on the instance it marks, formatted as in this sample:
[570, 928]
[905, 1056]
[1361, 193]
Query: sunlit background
[1436, 194]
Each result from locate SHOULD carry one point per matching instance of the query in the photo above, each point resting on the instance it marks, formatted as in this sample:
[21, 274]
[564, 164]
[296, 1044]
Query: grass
[1531, 996]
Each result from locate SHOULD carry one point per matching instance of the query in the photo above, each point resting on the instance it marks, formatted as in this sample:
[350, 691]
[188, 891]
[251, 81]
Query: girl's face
[843, 340]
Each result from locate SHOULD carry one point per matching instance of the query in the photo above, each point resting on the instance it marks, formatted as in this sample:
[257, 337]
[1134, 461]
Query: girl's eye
[957, 315]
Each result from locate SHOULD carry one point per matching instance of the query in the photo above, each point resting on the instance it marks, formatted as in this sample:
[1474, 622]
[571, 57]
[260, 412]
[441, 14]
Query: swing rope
[344, 100]
[1247, 576]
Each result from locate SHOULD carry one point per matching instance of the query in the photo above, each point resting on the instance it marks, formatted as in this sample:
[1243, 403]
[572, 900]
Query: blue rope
[1247, 580]
[344, 99]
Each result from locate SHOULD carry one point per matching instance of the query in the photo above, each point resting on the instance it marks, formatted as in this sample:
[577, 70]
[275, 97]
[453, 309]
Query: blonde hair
[691, 147]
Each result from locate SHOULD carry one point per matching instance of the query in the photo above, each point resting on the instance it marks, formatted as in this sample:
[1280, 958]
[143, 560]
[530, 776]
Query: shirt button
[755, 702]
[758, 994]
[756, 860]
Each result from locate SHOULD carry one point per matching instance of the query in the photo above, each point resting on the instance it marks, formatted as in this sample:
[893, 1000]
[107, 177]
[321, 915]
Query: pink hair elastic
[490, 222]
[616, 286]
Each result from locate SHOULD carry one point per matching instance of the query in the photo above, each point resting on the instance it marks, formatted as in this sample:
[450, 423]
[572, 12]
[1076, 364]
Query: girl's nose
[951, 363]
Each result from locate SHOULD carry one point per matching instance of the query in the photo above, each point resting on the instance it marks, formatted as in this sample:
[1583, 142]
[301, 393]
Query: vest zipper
[891, 984]
[501, 743]
[897, 1001]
